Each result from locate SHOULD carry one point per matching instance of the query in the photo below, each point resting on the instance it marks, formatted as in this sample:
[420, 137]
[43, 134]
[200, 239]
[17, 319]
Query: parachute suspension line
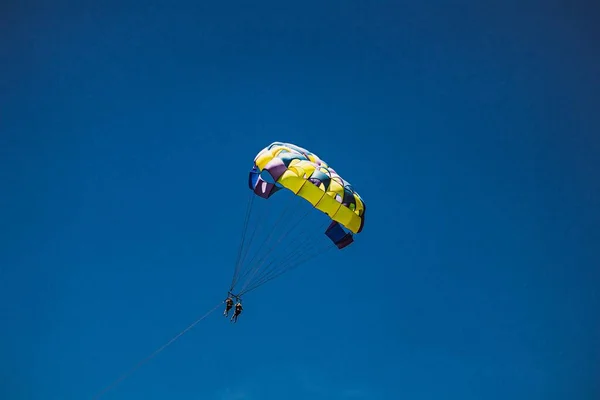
[291, 260]
[241, 263]
[263, 259]
[292, 253]
[273, 247]
[296, 258]
[304, 244]
[244, 230]
[291, 267]
[154, 354]
[274, 267]
[254, 263]
[266, 240]
[244, 256]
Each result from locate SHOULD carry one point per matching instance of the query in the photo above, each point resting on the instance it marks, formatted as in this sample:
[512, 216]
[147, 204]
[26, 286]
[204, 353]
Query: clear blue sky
[471, 131]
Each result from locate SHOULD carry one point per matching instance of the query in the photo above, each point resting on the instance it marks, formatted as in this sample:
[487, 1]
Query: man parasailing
[228, 305]
[237, 312]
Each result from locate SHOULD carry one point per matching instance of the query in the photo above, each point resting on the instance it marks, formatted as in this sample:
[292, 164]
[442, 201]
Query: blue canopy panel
[338, 235]
[259, 185]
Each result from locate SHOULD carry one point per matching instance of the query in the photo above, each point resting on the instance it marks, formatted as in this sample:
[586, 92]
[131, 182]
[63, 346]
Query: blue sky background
[471, 131]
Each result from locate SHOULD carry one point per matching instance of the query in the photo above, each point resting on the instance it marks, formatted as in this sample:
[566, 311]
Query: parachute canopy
[309, 177]
[302, 174]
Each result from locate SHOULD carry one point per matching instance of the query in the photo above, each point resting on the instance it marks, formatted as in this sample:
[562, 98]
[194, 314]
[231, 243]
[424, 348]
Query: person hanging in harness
[228, 305]
[237, 312]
